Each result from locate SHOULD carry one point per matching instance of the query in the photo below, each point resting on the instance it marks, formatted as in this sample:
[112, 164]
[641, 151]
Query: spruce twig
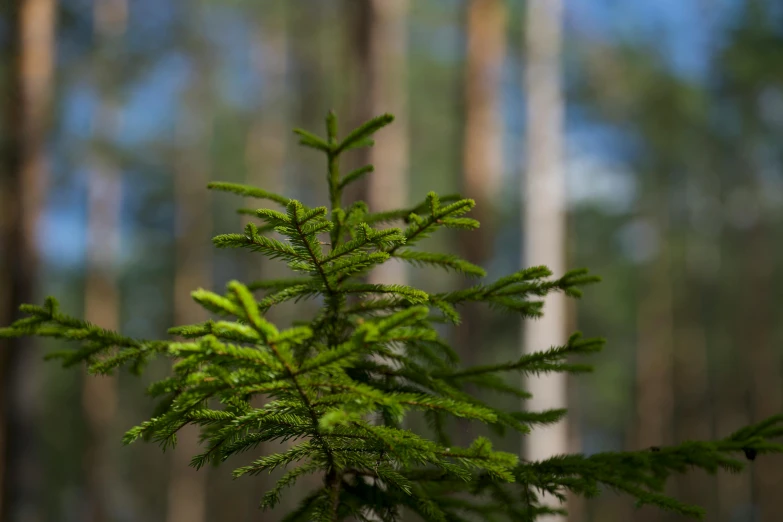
[382, 357]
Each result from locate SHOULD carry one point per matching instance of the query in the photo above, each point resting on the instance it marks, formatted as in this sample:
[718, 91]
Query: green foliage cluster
[338, 387]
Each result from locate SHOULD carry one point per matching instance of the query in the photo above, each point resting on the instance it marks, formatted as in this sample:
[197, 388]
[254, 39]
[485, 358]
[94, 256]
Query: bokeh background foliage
[673, 161]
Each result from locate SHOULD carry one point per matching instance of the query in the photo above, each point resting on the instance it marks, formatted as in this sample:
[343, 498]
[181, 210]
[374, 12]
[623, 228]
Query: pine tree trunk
[694, 408]
[378, 51]
[30, 58]
[692, 397]
[763, 363]
[309, 64]
[483, 141]
[653, 425]
[733, 389]
[381, 40]
[482, 159]
[265, 150]
[544, 217]
[187, 488]
[265, 161]
[101, 307]
[378, 65]
[731, 396]
[654, 400]
[577, 504]
[359, 100]
[387, 78]
[101, 293]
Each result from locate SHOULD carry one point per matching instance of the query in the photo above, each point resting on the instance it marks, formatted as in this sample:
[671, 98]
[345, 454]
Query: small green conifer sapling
[338, 386]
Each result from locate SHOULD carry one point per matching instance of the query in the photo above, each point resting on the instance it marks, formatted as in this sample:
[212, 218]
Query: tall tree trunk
[655, 338]
[759, 354]
[694, 409]
[483, 143]
[30, 55]
[692, 397]
[577, 504]
[732, 389]
[310, 66]
[482, 157]
[101, 307]
[187, 486]
[359, 101]
[763, 363]
[357, 106]
[266, 145]
[381, 40]
[101, 294]
[266, 142]
[265, 163]
[387, 78]
[378, 50]
[654, 352]
[544, 218]
[745, 308]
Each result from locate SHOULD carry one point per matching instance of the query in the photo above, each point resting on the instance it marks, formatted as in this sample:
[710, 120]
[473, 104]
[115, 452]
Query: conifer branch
[246, 190]
[383, 355]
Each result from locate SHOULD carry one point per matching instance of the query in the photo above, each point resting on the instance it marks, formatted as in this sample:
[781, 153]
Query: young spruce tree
[340, 384]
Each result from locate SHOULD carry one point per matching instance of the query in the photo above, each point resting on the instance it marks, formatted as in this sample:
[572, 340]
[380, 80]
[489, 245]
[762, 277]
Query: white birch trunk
[544, 215]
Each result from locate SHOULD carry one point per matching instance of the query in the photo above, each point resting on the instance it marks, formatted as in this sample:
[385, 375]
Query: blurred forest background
[116, 113]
